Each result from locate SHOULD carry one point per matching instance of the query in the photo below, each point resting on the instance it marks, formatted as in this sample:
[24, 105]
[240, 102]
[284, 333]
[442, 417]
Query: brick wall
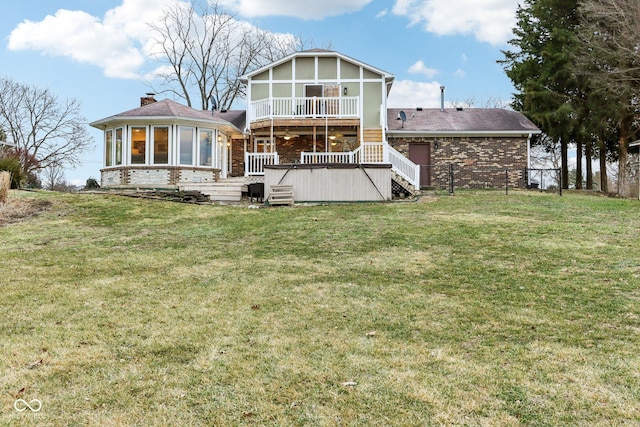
[479, 162]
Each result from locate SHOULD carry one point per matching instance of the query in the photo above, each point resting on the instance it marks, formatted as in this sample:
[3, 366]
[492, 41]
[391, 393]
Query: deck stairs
[280, 195]
[400, 187]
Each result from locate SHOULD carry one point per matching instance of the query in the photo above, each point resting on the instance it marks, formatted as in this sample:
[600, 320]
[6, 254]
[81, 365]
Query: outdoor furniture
[256, 190]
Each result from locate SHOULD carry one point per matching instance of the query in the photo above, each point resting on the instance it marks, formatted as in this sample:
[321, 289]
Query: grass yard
[476, 309]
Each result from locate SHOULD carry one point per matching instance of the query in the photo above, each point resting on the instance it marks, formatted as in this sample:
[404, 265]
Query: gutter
[464, 133]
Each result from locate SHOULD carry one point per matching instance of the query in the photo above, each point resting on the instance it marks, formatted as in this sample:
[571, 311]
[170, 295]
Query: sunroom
[164, 143]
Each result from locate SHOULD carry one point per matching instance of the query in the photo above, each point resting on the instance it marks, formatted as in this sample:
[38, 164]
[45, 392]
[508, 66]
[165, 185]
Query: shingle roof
[238, 118]
[168, 108]
[482, 120]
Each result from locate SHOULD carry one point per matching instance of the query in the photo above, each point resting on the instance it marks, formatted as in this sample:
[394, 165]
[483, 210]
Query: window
[138, 145]
[263, 145]
[161, 145]
[108, 144]
[118, 146]
[206, 152]
[186, 145]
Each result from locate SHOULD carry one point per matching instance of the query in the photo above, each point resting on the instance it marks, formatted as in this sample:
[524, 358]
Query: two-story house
[316, 107]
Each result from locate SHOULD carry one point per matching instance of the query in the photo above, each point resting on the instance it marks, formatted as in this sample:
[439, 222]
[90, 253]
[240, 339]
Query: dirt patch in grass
[19, 209]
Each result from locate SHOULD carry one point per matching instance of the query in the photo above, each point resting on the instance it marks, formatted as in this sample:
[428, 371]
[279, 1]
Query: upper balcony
[345, 107]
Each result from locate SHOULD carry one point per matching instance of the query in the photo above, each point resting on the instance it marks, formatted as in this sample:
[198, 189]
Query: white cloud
[420, 68]
[489, 21]
[120, 43]
[459, 73]
[295, 8]
[411, 94]
[117, 43]
[382, 13]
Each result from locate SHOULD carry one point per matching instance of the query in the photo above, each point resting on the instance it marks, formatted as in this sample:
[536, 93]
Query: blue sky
[94, 50]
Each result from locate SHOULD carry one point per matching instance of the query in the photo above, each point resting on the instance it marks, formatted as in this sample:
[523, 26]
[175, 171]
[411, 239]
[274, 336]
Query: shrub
[12, 165]
[91, 184]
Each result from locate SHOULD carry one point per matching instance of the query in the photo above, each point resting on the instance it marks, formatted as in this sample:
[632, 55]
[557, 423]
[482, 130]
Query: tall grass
[5, 185]
[475, 309]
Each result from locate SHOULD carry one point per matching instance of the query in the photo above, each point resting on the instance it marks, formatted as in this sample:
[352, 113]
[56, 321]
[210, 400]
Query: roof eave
[103, 123]
[465, 133]
[244, 79]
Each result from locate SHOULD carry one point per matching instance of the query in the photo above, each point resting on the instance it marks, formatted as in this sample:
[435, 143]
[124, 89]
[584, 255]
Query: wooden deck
[298, 123]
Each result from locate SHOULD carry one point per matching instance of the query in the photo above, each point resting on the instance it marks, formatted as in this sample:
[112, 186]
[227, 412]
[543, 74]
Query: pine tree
[541, 67]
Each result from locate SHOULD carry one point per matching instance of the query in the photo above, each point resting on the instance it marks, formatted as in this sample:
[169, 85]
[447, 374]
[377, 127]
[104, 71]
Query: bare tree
[53, 176]
[45, 129]
[611, 56]
[204, 51]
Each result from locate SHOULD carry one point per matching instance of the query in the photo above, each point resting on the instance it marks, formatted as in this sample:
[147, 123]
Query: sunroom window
[186, 135]
[160, 145]
[108, 143]
[118, 146]
[206, 151]
[138, 145]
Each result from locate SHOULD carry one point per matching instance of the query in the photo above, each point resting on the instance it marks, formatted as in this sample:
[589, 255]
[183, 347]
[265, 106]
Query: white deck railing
[254, 163]
[403, 166]
[338, 107]
[368, 152]
[314, 158]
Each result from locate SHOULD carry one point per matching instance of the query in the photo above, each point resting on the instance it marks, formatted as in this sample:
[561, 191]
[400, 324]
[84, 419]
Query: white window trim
[193, 145]
[152, 151]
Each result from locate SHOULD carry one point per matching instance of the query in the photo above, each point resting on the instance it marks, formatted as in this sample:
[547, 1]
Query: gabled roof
[477, 121]
[320, 53]
[164, 109]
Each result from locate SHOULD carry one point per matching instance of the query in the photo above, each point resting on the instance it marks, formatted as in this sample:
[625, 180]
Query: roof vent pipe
[441, 98]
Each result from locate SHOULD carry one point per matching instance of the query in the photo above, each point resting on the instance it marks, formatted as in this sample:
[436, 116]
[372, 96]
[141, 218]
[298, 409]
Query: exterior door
[313, 94]
[420, 154]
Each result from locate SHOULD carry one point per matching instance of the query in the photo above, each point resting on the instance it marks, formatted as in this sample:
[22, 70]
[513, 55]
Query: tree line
[575, 65]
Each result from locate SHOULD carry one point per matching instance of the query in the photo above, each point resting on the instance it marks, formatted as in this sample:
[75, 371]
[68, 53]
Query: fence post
[560, 181]
[506, 182]
[450, 178]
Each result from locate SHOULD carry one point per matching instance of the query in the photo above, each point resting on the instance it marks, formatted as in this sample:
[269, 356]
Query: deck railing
[368, 152]
[314, 158]
[303, 107]
[254, 163]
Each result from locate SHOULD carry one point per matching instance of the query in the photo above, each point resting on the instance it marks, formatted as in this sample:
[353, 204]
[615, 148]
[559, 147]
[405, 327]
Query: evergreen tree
[541, 67]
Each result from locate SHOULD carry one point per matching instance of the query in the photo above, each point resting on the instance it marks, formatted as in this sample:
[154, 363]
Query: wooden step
[281, 195]
[372, 135]
[218, 191]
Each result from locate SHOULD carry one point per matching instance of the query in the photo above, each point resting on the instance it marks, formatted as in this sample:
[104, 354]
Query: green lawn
[475, 309]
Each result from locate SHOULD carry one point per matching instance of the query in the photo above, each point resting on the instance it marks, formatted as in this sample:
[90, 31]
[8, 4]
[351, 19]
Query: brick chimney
[146, 100]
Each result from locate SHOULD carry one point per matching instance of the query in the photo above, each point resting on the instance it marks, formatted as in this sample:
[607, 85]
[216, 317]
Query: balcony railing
[337, 107]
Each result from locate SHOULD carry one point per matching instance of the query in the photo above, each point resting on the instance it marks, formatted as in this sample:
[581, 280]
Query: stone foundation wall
[156, 176]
